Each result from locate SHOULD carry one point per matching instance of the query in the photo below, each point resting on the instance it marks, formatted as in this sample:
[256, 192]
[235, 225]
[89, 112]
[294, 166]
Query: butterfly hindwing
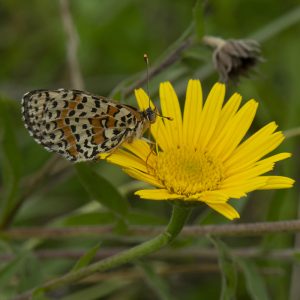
[76, 124]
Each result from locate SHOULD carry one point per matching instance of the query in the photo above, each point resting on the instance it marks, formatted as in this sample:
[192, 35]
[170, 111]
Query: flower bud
[233, 58]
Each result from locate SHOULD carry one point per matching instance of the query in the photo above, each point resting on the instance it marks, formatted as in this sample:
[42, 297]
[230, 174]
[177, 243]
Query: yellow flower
[200, 155]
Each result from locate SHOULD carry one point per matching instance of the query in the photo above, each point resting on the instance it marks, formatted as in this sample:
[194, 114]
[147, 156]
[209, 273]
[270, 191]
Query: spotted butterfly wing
[79, 125]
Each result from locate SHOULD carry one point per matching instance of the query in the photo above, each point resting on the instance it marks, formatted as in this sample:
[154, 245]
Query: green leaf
[101, 190]
[255, 282]
[86, 258]
[158, 285]
[198, 18]
[228, 270]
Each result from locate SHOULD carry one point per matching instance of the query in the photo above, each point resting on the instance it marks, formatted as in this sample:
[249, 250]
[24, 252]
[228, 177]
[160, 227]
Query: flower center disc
[187, 172]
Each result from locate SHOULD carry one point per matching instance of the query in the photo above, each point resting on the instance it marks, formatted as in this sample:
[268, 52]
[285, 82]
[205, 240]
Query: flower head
[233, 58]
[201, 155]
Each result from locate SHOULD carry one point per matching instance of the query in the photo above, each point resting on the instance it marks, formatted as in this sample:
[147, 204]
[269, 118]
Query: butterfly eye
[150, 115]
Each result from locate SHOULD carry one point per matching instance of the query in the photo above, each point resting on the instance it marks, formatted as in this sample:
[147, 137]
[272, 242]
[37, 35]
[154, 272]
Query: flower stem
[212, 41]
[179, 216]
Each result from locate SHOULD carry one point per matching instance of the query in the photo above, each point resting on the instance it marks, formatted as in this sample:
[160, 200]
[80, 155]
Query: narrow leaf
[198, 18]
[228, 270]
[256, 285]
[101, 189]
[86, 258]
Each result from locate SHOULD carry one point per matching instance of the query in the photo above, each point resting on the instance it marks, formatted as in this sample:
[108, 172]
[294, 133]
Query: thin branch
[176, 254]
[174, 56]
[72, 45]
[25, 233]
[247, 229]
[203, 268]
[134, 274]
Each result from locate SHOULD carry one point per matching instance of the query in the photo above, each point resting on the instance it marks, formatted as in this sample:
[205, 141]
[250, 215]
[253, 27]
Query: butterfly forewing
[79, 125]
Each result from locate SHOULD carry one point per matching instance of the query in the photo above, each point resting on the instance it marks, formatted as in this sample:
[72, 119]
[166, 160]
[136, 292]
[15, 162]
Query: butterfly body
[79, 125]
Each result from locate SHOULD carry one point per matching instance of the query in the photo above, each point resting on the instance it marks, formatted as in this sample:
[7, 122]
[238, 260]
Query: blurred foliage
[113, 37]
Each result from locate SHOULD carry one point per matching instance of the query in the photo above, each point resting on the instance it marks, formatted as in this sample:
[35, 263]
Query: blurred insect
[79, 125]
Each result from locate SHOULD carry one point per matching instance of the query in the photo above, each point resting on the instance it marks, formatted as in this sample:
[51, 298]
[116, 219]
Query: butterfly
[79, 125]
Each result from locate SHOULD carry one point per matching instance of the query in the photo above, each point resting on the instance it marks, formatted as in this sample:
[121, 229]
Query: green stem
[285, 21]
[292, 132]
[179, 216]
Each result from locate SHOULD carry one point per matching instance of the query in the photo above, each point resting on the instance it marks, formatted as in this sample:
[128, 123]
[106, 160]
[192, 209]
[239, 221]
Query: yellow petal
[278, 182]
[209, 115]
[250, 145]
[255, 152]
[158, 194]
[192, 111]
[160, 134]
[143, 177]
[275, 158]
[143, 150]
[143, 100]
[103, 155]
[256, 168]
[235, 130]
[170, 108]
[210, 197]
[125, 159]
[227, 113]
[244, 185]
[226, 210]
[252, 171]
[158, 129]
[236, 193]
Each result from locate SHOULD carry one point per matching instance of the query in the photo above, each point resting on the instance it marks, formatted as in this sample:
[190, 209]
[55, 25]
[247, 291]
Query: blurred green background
[37, 189]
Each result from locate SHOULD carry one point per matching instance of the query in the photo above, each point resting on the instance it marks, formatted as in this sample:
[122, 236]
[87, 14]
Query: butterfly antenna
[146, 59]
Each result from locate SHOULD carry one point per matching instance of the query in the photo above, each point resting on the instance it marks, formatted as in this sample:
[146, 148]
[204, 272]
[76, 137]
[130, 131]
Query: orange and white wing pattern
[79, 125]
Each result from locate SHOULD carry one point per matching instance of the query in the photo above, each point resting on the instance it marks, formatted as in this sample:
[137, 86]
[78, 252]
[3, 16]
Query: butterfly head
[150, 115]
